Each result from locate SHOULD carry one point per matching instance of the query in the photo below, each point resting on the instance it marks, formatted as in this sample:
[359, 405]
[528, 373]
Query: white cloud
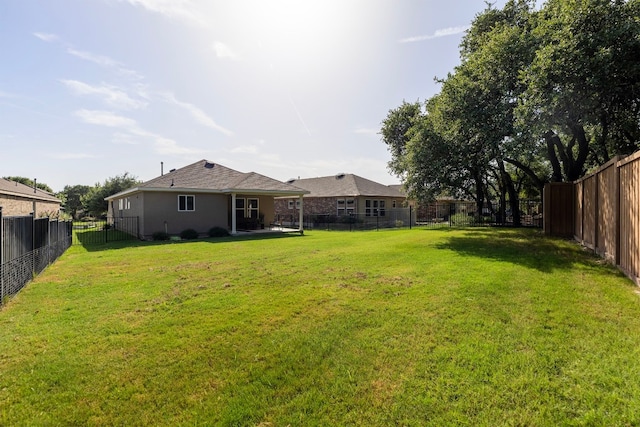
[223, 51]
[169, 147]
[162, 145]
[173, 9]
[199, 115]
[46, 37]
[112, 95]
[104, 61]
[245, 149]
[439, 33]
[105, 118]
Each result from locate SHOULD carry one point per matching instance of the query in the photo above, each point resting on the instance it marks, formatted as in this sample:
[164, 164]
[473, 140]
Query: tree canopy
[29, 182]
[539, 95]
[94, 202]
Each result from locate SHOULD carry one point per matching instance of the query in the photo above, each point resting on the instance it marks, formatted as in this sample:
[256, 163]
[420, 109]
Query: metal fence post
[1, 258]
[33, 242]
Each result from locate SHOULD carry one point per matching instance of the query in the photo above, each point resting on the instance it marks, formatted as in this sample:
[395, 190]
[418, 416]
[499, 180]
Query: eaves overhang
[274, 193]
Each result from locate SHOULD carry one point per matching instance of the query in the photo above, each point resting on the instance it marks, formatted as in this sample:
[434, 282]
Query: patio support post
[301, 227]
[233, 213]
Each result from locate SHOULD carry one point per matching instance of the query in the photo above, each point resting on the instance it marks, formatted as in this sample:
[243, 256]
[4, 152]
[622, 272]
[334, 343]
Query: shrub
[160, 235]
[462, 219]
[218, 232]
[189, 234]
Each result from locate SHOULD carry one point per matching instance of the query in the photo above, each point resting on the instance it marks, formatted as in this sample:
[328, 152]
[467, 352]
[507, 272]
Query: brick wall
[21, 206]
[315, 205]
[329, 205]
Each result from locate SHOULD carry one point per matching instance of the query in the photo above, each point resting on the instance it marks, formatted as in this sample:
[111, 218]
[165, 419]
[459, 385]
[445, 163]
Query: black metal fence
[464, 214]
[27, 246]
[433, 215]
[391, 218]
[110, 229]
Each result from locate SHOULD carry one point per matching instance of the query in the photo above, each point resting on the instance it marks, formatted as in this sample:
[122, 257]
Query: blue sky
[91, 89]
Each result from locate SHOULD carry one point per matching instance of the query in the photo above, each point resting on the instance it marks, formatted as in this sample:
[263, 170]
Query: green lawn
[383, 328]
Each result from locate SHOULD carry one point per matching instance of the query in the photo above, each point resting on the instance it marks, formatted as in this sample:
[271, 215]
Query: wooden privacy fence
[602, 212]
[27, 246]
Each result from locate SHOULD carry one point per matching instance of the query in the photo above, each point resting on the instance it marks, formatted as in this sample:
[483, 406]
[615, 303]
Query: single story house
[342, 194]
[201, 196]
[17, 199]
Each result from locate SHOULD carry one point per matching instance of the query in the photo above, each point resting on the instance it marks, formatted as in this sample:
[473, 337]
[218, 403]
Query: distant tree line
[89, 201]
[540, 95]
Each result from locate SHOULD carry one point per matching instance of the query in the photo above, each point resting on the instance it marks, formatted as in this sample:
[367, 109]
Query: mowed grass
[477, 327]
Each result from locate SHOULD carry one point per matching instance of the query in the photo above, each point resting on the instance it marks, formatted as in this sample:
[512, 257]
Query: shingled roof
[16, 189]
[208, 177]
[343, 185]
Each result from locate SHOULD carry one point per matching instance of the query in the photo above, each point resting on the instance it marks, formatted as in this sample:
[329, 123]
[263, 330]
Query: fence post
[33, 242]
[1, 258]
[409, 217]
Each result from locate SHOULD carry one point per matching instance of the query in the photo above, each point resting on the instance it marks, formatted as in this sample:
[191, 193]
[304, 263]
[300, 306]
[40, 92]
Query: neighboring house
[342, 194]
[17, 199]
[201, 196]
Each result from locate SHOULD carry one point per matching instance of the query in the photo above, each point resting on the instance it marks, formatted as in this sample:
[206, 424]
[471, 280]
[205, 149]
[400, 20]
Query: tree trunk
[552, 156]
[577, 166]
[514, 202]
[539, 183]
[479, 195]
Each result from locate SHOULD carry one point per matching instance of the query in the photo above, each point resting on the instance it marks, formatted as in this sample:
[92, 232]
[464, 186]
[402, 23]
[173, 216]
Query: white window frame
[375, 207]
[124, 204]
[241, 206]
[186, 198]
[251, 208]
[351, 205]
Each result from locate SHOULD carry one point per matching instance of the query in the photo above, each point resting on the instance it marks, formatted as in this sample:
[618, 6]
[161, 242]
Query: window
[346, 206]
[186, 203]
[374, 208]
[124, 204]
[297, 204]
[240, 204]
[351, 206]
[252, 208]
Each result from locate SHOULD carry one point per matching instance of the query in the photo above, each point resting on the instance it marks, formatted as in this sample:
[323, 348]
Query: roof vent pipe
[161, 168]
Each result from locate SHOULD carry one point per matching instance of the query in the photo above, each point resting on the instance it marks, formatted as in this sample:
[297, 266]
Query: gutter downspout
[301, 227]
[233, 214]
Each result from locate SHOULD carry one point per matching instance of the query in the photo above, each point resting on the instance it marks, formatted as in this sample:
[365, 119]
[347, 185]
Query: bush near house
[160, 235]
[189, 234]
[218, 232]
